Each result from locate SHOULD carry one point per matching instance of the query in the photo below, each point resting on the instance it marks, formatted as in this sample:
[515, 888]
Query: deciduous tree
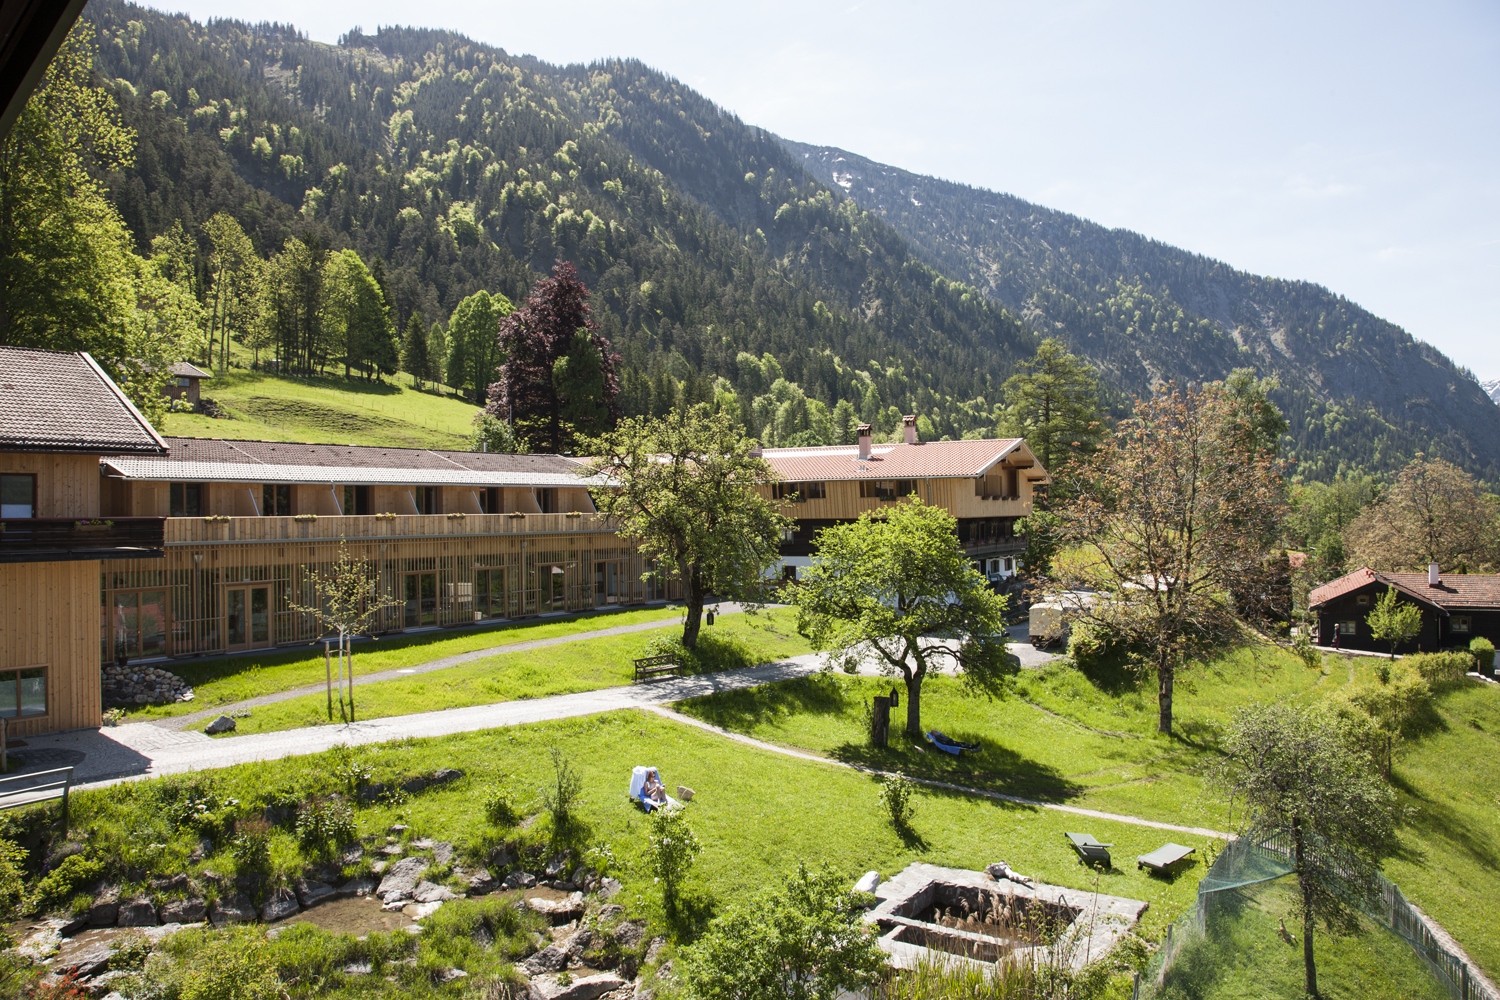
[533, 339]
[1433, 512]
[1176, 509]
[474, 338]
[353, 311]
[896, 585]
[682, 489]
[1303, 780]
[233, 267]
[1393, 620]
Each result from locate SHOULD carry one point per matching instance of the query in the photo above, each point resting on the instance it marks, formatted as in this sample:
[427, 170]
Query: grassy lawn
[1241, 958]
[224, 679]
[757, 814]
[329, 409]
[1059, 738]
[586, 665]
[1091, 742]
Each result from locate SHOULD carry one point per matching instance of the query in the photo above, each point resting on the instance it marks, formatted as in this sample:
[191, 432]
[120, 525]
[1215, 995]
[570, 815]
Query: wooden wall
[49, 615]
[957, 496]
[145, 499]
[66, 485]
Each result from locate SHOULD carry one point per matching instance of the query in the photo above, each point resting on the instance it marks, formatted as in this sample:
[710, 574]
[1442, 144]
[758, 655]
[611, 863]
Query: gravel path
[181, 722]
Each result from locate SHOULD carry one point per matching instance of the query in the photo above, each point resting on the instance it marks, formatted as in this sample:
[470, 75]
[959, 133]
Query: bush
[895, 795]
[251, 846]
[12, 880]
[223, 966]
[561, 795]
[61, 882]
[1484, 652]
[322, 823]
[671, 850]
[1442, 670]
[498, 807]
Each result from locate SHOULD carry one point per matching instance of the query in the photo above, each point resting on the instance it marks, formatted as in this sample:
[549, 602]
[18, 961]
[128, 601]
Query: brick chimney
[1433, 576]
[864, 441]
[911, 428]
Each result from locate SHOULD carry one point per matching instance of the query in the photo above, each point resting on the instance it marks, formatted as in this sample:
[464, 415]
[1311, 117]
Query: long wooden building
[58, 414]
[456, 538]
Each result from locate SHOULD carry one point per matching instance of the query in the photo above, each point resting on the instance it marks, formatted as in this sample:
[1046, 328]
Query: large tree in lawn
[1303, 780]
[897, 585]
[1174, 513]
[533, 339]
[683, 493]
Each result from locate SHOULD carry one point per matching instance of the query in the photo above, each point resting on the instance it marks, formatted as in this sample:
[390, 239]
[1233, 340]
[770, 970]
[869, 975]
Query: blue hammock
[948, 745]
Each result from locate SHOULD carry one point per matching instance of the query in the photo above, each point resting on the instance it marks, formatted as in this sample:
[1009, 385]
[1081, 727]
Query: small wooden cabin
[1456, 608]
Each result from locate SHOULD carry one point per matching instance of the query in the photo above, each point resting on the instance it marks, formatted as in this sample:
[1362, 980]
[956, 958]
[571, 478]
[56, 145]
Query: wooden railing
[43, 539]
[200, 530]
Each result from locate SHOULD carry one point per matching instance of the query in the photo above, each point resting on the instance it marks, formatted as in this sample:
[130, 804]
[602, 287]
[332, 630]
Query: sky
[1355, 145]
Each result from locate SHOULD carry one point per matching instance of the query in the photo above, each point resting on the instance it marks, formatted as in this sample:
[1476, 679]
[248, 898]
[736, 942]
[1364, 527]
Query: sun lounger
[1163, 857]
[1090, 849]
[947, 745]
[638, 791]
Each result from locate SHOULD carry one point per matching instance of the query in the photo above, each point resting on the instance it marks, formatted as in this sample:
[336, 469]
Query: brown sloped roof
[237, 461]
[934, 459]
[184, 370]
[1454, 590]
[62, 401]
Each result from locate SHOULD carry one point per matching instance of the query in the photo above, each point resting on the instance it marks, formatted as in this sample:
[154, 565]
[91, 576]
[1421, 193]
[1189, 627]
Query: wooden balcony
[207, 530]
[67, 539]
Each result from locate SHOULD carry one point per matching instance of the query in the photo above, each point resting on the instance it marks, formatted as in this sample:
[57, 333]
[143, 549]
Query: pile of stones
[134, 685]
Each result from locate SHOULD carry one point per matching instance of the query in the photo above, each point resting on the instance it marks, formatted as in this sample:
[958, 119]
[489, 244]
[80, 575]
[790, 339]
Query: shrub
[325, 822]
[12, 880]
[62, 881]
[223, 966]
[671, 850]
[895, 796]
[1442, 670]
[561, 794]
[498, 807]
[251, 846]
[1484, 652]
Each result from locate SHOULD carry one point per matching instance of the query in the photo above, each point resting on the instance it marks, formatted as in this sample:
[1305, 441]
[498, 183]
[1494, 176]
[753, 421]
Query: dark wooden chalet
[1456, 607]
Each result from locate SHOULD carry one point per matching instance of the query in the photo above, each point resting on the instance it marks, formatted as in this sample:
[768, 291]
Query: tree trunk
[914, 705]
[1310, 970]
[690, 628]
[1164, 676]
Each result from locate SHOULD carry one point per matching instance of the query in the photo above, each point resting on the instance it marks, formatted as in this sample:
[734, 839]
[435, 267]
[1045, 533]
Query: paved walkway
[190, 721]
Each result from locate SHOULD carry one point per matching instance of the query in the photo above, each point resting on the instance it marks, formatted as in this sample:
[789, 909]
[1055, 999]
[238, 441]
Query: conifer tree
[1053, 402]
[414, 358]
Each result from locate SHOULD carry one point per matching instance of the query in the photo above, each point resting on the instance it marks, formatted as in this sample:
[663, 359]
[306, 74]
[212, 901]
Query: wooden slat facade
[66, 485]
[961, 497]
[441, 570]
[49, 617]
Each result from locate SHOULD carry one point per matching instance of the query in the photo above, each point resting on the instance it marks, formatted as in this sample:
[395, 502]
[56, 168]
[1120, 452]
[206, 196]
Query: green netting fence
[1233, 942]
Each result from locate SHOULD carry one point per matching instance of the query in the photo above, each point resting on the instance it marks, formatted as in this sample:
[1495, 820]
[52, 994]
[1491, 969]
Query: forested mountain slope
[457, 167]
[1355, 387]
[462, 168]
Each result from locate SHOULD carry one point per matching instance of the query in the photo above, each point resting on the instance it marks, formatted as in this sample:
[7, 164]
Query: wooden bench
[655, 666]
[19, 790]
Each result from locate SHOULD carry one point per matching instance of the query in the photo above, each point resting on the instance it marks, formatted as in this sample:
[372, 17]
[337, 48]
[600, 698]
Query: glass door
[247, 617]
[420, 600]
[138, 624]
[555, 590]
[606, 584]
[489, 593]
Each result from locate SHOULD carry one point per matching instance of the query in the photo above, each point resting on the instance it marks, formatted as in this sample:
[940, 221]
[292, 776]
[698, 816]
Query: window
[1363, 600]
[23, 692]
[276, 500]
[183, 382]
[186, 500]
[546, 500]
[1347, 628]
[426, 499]
[886, 489]
[1010, 564]
[799, 492]
[18, 496]
[1460, 624]
[356, 500]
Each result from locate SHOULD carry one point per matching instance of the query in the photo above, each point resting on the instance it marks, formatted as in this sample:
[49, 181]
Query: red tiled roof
[62, 401]
[932, 459]
[1454, 590]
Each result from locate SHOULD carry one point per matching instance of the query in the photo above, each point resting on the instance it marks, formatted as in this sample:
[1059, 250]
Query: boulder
[557, 866]
[442, 852]
[559, 911]
[867, 882]
[548, 987]
[520, 880]
[88, 963]
[629, 933]
[363, 886]
[608, 888]
[422, 844]
[136, 912]
[235, 909]
[413, 785]
[401, 877]
[182, 911]
[395, 903]
[311, 893]
[279, 905]
[430, 892]
[449, 975]
[608, 912]
[42, 938]
[175, 883]
[222, 724]
[351, 854]
[445, 775]
[105, 909]
[553, 958]
[421, 911]
[480, 882]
